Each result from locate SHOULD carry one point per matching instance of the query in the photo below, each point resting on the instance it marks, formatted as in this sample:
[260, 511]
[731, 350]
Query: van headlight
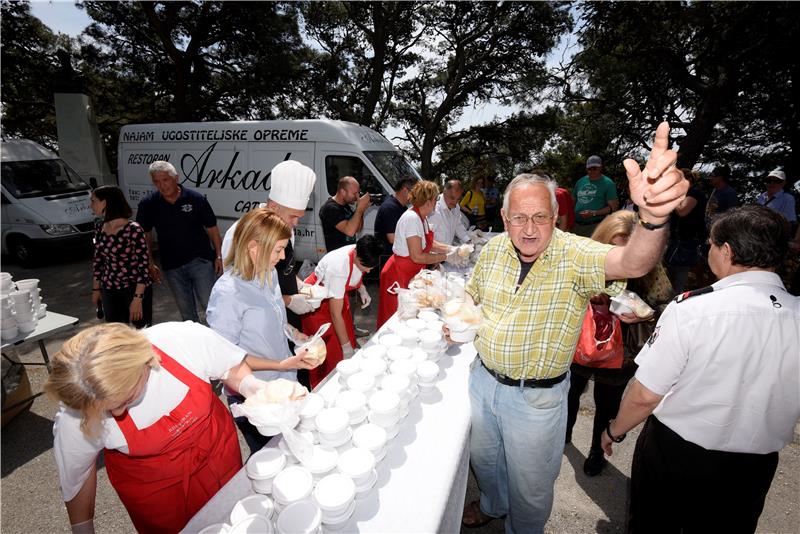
[58, 229]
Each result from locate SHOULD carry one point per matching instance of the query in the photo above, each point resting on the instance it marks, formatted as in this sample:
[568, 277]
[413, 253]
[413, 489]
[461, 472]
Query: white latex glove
[86, 527]
[279, 388]
[452, 256]
[347, 350]
[364, 296]
[299, 305]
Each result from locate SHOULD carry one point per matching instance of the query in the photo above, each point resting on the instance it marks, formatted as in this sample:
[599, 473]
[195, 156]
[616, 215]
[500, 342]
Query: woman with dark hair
[120, 267]
[340, 271]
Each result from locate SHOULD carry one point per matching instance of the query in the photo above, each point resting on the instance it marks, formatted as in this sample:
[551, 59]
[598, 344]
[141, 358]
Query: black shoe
[594, 463]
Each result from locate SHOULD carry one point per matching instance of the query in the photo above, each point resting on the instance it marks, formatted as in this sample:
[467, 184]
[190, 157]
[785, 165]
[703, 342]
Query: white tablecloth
[423, 478]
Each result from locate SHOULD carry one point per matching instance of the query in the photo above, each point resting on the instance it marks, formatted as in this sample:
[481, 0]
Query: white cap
[779, 174]
[292, 184]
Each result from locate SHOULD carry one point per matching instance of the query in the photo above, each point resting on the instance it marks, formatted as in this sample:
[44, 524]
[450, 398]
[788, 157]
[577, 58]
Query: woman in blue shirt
[247, 309]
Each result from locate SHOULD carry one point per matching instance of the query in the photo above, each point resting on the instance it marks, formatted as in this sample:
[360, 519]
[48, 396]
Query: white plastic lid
[374, 366]
[356, 462]
[334, 491]
[399, 353]
[390, 340]
[333, 420]
[418, 355]
[302, 517]
[348, 367]
[322, 460]
[292, 484]
[430, 337]
[384, 402]
[360, 381]
[312, 405]
[396, 383]
[265, 463]
[351, 400]
[252, 524]
[216, 528]
[406, 333]
[427, 370]
[370, 436]
[252, 504]
[436, 326]
[375, 351]
[428, 316]
[416, 324]
[403, 367]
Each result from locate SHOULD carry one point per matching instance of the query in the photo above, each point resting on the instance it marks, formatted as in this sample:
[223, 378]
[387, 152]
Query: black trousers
[255, 440]
[678, 486]
[117, 302]
[607, 398]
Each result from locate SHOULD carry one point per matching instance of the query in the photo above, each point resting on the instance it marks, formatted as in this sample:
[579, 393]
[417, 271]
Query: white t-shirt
[333, 268]
[446, 223]
[408, 225]
[199, 349]
[728, 365]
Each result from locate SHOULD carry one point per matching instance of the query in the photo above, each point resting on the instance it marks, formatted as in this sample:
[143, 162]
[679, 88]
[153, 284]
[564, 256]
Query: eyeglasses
[539, 219]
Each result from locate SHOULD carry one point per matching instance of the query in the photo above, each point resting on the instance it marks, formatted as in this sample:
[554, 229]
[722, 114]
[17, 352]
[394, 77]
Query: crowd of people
[145, 397]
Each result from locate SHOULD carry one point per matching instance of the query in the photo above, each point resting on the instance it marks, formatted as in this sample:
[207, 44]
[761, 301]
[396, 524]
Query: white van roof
[24, 150]
[310, 130]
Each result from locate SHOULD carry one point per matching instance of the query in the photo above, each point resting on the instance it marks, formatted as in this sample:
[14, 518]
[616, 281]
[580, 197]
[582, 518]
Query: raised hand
[660, 187]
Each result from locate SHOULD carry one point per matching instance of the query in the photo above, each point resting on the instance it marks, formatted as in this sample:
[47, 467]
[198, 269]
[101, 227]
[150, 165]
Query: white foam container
[384, 402]
[370, 437]
[374, 366]
[323, 460]
[430, 339]
[376, 351]
[363, 382]
[428, 316]
[263, 466]
[416, 324]
[334, 494]
[293, 484]
[216, 528]
[252, 524]
[312, 405]
[302, 517]
[356, 463]
[349, 367]
[399, 353]
[390, 340]
[252, 504]
[427, 372]
[332, 423]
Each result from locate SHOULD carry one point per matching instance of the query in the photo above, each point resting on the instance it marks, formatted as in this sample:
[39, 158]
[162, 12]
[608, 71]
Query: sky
[62, 16]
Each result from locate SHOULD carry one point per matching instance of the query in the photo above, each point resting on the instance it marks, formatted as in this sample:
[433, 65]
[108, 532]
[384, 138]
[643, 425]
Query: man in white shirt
[445, 220]
[720, 377]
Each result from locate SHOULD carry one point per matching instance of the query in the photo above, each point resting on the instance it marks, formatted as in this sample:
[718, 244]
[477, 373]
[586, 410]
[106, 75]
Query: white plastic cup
[29, 284]
[252, 504]
[301, 517]
[263, 466]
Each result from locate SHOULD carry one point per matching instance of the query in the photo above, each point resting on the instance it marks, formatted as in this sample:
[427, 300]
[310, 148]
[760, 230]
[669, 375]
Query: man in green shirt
[534, 283]
[595, 197]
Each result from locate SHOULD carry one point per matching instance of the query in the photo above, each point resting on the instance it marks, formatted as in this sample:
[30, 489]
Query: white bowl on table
[29, 284]
[21, 299]
[322, 461]
[355, 403]
[405, 368]
[9, 333]
[430, 339]
[428, 316]
[370, 437]
[358, 464]
[252, 504]
[333, 425]
[376, 351]
[363, 382]
[348, 368]
[26, 327]
[42, 311]
[301, 517]
[399, 353]
[216, 528]
[291, 485]
[334, 494]
[263, 466]
[416, 324]
[374, 366]
[390, 340]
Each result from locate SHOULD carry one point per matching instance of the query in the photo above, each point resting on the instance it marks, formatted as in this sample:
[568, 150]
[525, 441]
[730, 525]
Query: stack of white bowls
[252, 524]
[401, 386]
[372, 438]
[333, 426]
[348, 368]
[263, 467]
[355, 403]
[363, 382]
[218, 528]
[408, 336]
[418, 355]
[359, 465]
[259, 505]
[376, 367]
[292, 485]
[313, 404]
[432, 342]
[25, 314]
[384, 410]
[32, 285]
[405, 368]
[7, 321]
[428, 316]
[390, 340]
[416, 324]
[399, 353]
[322, 461]
[301, 517]
[335, 495]
[427, 373]
[284, 446]
[378, 350]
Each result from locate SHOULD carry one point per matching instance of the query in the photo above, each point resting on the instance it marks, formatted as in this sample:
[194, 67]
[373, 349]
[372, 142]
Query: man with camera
[340, 222]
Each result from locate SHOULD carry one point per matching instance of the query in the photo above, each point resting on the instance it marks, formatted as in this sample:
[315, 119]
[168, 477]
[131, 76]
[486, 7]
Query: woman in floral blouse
[121, 280]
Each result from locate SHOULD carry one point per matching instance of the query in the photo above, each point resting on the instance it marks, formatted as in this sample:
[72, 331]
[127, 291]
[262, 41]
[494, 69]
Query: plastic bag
[270, 419]
[406, 304]
[600, 342]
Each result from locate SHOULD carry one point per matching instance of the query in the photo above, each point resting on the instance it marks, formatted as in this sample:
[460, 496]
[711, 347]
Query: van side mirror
[93, 182]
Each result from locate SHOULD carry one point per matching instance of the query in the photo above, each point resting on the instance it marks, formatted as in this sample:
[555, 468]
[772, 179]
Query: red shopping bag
[600, 343]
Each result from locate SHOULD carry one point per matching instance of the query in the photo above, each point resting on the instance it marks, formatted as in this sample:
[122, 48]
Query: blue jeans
[516, 443]
[194, 279]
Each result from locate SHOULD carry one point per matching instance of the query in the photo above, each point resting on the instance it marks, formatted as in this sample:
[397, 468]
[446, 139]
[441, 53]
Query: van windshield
[39, 178]
[393, 166]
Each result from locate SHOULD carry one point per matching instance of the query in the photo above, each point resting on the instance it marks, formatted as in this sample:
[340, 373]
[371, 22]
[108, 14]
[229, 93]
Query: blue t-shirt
[720, 201]
[386, 221]
[181, 227]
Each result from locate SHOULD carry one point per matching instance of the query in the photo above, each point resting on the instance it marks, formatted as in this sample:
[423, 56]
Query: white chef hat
[292, 184]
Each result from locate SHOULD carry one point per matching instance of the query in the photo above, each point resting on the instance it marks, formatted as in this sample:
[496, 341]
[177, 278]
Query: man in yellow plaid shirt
[533, 284]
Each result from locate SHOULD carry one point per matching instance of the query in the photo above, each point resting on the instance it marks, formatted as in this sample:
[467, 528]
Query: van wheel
[22, 251]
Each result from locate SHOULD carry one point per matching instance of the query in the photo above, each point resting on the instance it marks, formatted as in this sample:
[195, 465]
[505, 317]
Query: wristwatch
[651, 226]
[138, 295]
[618, 439]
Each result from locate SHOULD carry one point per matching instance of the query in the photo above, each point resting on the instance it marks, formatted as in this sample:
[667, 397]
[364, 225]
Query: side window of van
[5, 200]
[338, 166]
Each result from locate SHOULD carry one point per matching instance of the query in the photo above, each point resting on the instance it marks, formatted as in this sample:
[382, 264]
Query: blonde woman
[247, 309]
[413, 247]
[143, 399]
[609, 384]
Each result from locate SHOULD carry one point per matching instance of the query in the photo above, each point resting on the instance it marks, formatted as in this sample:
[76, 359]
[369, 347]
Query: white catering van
[230, 163]
[45, 203]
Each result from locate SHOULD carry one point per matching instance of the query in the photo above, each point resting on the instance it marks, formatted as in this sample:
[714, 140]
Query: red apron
[399, 269]
[312, 321]
[174, 466]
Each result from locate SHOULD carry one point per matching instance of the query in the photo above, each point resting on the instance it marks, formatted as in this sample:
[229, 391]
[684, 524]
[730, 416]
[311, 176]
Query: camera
[376, 199]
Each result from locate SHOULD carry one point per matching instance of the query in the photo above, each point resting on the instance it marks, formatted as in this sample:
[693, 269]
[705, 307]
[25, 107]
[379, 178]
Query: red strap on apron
[400, 269]
[312, 321]
[174, 466]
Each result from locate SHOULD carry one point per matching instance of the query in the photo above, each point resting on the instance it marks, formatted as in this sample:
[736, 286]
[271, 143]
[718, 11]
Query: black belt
[525, 382]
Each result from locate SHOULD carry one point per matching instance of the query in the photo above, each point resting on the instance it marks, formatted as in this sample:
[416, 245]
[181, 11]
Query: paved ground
[31, 501]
